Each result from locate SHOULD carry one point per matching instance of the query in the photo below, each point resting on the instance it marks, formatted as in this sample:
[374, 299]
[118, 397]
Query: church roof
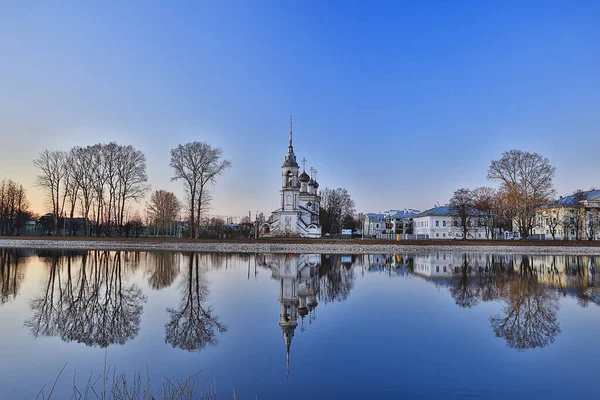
[304, 177]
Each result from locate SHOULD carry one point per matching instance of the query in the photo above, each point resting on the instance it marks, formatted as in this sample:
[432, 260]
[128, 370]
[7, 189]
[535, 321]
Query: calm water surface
[425, 325]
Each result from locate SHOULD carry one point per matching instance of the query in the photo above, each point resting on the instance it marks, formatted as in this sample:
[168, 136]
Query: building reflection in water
[298, 278]
[529, 286]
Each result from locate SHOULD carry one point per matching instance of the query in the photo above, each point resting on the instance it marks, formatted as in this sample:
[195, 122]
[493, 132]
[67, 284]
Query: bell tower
[290, 186]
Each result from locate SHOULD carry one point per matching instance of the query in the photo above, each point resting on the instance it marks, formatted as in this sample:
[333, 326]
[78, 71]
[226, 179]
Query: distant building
[572, 217]
[391, 221]
[298, 214]
[443, 223]
[373, 224]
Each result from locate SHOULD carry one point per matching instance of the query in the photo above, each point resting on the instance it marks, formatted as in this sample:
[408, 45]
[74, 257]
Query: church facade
[298, 214]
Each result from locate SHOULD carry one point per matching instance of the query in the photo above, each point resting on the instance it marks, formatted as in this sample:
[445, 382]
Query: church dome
[303, 311]
[304, 177]
[313, 183]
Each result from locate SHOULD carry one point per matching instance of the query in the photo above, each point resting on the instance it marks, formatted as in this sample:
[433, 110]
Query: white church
[298, 215]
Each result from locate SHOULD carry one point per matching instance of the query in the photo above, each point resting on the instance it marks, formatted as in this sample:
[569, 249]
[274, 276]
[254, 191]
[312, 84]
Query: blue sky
[399, 102]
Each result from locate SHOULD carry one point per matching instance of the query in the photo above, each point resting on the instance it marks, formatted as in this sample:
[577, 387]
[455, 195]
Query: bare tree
[131, 179]
[81, 170]
[163, 208]
[52, 172]
[14, 208]
[527, 179]
[462, 203]
[336, 205]
[553, 221]
[578, 214]
[197, 164]
[485, 201]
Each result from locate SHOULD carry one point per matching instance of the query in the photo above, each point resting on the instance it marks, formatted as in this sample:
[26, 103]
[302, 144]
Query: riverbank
[319, 246]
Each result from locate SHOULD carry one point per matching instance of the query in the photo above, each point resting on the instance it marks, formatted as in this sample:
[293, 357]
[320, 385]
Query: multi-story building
[572, 217]
[392, 221]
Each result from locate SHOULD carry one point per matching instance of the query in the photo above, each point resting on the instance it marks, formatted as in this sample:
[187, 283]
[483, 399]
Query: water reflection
[298, 279]
[193, 325]
[90, 297]
[529, 286]
[87, 302]
[12, 274]
[162, 268]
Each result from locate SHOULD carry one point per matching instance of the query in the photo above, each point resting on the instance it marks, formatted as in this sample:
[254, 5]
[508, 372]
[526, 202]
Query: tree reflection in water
[193, 326]
[465, 292]
[89, 304]
[529, 319]
[336, 279]
[12, 274]
[161, 268]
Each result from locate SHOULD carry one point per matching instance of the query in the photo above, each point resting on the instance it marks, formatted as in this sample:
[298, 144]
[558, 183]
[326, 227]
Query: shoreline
[314, 246]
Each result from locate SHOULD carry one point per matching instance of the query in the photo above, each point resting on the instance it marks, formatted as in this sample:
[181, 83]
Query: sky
[399, 102]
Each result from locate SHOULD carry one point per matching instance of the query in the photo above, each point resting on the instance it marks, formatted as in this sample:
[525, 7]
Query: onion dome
[304, 177]
[313, 183]
[303, 311]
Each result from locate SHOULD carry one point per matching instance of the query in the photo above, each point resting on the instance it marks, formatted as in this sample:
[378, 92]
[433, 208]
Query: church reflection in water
[298, 278]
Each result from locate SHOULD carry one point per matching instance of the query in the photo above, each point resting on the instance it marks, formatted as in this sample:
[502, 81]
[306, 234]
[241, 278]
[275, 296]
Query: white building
[388, 222]
[298, 215]
[373, 224]
[572, 217]
[443, 223]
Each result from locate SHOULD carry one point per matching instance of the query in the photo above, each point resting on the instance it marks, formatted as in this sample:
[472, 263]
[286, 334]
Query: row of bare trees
[14, 208]
[337, 210]
[525, 184]
[101, 180]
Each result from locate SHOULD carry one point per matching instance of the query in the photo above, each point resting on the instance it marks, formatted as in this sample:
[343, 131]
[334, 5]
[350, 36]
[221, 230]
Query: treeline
[525, 181]
[98, 180]
[14, 208]
[337, 211]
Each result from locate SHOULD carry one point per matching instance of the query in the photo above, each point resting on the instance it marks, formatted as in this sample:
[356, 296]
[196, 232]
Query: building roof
[442, 211]
[590, 195]
[375, 215]
[402, 214]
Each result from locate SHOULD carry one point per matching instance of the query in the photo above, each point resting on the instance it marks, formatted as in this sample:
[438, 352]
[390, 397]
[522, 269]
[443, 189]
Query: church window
[437, 223]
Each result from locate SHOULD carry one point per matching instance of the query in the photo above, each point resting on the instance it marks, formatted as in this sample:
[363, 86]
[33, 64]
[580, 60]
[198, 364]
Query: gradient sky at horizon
[401, 103]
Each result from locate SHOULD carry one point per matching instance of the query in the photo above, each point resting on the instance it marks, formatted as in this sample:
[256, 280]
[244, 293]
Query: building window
[444, 223]
[444, 235]
[437, 235]
[444, 269]
[437, 269]
[455, 223]
[437, 223]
